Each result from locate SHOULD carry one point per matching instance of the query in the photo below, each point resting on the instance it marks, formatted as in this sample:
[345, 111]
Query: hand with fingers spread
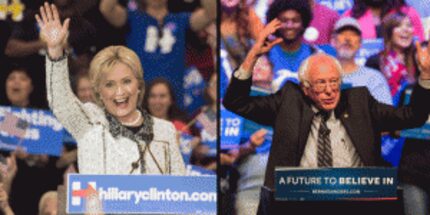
[52, 32]
[262, 45]
[423, 59]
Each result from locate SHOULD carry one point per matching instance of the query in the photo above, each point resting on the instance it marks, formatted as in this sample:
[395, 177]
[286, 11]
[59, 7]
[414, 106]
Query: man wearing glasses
[315, 123]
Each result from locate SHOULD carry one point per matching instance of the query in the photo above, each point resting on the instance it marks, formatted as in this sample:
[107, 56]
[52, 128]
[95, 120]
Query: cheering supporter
[205, 153]
[289, 50]
[396, 62]
[160, 101]
[37, 167]
[414, 166]
[370, 14]
[162, 47]
[239, 26]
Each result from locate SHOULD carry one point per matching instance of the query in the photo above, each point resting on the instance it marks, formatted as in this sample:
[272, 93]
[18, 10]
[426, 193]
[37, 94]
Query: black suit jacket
[289, 112]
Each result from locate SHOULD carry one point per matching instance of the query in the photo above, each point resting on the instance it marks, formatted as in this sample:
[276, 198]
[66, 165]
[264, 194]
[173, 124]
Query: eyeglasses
[321, 85]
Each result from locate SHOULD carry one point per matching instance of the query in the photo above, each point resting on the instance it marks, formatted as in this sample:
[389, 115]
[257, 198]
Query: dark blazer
[289, 112]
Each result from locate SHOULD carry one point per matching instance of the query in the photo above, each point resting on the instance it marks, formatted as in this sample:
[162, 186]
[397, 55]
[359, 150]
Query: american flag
[13, 125]
[208, 124]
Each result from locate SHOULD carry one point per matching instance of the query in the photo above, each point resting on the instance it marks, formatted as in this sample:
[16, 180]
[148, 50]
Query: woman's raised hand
[52, 32]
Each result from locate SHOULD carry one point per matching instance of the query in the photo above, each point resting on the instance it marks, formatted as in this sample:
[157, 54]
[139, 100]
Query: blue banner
[142, 194]
[368, 48]
[231, 129]
[338, 5]
[331, 184]
[43, 132]
[415, 133]
[194, 88]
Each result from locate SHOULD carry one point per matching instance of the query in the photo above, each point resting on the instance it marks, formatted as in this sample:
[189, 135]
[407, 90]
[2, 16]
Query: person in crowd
[25, 48]
[205, 121]
[319, 32]
[115, 135]
[252, 155]
[160, 101]
[370, 14]
[396, 61]
[239, 26]
[318, 105]
[48, 203]
[347, 42]
[286, 56]
[38, 167]
[19, 87]
[161, 49]
[4, 202]
[83, 88]
[414, 176]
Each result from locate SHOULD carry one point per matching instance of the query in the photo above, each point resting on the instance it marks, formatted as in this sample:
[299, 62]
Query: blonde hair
[106, 59]
[304, 67]
[48, 195]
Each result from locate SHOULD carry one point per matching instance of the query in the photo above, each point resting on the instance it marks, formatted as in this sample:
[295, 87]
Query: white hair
[304, 68]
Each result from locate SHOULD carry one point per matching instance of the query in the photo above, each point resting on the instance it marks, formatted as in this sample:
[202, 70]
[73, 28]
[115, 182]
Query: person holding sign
[114, 136]
[304, 115]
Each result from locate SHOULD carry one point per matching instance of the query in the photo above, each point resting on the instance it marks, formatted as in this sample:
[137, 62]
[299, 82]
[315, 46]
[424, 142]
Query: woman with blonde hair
[115, 135]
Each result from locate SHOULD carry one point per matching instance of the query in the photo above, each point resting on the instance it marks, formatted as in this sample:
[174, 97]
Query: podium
[141, 194]
[365, 191]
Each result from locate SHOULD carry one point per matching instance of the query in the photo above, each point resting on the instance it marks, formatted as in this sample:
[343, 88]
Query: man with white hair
[303, 115]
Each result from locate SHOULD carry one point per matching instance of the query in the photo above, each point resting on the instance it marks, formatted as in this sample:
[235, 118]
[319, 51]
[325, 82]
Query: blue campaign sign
[368, 48]
[143, 194]
[194, 88]
[43, 135]
[338, 5]
[415, 133]
[331, 184]
[231, 129]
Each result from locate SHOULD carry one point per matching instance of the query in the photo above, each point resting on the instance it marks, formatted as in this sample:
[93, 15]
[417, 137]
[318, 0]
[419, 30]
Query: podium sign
[142, 194]
[331, 184]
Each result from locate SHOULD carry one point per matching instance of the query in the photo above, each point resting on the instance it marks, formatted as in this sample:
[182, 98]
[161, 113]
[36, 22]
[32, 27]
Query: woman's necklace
[131, 124]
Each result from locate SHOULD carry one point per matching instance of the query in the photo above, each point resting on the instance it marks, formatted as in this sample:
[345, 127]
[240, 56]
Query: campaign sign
[331, 184]
[338, 5]
[42, 133]
[142, 194]
[194, 87]
[368, 48]
[416, 133]
[231, 129]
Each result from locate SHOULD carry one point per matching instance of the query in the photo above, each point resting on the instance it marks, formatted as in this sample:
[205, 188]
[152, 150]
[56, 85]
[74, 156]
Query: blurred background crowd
[178, 58]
